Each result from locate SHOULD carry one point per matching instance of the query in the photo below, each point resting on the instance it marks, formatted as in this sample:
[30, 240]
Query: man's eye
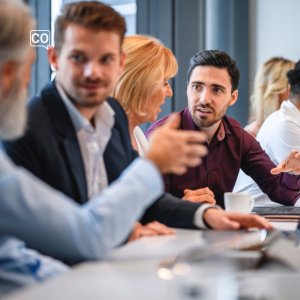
[77, 57]
[217, 90]
[166, 83]
[196, 87]
[106, 59]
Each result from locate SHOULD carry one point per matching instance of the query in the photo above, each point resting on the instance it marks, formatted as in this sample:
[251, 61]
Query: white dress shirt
[143, 147]
[92, 141]
[279, 134]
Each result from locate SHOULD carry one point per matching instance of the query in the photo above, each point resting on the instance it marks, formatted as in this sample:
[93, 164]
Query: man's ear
[122, 61]
[52, 57]
[8, 76]
[233, 98]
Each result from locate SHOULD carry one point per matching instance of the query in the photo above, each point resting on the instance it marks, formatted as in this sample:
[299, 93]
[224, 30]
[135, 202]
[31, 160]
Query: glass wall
[127, 8]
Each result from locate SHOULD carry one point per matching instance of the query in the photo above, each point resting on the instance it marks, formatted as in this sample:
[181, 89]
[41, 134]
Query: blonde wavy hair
[270, 81]
[148, 63]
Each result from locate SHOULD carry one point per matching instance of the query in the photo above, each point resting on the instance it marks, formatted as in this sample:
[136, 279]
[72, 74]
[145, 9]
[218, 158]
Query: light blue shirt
[55, 225]
[20, 266]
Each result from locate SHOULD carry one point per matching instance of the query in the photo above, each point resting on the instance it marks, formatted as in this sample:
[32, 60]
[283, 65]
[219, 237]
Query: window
[127, 8]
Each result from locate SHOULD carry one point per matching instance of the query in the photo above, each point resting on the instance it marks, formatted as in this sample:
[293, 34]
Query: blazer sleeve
[24, 152]
[172, 212]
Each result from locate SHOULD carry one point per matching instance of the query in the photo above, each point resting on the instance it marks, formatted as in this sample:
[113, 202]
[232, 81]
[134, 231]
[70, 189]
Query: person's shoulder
[117, 107]
[36, 102]
[39, 117]
[232, 123]
[156, 124]
[159, 122]
[239, 133]
[162, 121]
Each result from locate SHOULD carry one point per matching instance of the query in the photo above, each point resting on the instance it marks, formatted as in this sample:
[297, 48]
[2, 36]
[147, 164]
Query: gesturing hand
[290, 164]
[150, 229]
[173, 150]
[199, 195]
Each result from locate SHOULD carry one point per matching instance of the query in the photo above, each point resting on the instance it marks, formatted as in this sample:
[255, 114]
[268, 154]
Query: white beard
[13, 113]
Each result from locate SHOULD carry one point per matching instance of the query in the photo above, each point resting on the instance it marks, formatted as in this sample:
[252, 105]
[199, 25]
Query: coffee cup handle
[252, 202]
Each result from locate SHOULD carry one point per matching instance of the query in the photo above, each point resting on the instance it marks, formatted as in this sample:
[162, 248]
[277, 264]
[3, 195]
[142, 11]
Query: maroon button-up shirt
[232, 148]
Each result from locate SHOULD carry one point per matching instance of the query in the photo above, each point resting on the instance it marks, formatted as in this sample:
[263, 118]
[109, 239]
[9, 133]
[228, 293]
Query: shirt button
[210, 172]
[95, 147]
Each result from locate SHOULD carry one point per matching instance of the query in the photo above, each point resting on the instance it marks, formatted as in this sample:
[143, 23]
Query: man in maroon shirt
[213, 79]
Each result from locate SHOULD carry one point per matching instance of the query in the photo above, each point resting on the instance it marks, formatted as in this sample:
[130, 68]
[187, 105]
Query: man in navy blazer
[50, 150]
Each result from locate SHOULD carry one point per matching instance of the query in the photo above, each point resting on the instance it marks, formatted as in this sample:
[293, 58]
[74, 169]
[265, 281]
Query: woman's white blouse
[141, 141]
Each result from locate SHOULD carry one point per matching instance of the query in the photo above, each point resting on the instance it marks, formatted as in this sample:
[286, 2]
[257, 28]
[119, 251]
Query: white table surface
[125, 274]
[132, 272]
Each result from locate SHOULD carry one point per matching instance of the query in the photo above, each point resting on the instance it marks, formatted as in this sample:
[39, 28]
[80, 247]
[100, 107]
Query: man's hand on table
[290, 164]
[173, 150]
[223, 220]
[150, 229]
[204, 195]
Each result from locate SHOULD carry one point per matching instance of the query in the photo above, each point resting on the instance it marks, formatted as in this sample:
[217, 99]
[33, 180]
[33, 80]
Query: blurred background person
[270, 90]
[142, 88]
[279, 134]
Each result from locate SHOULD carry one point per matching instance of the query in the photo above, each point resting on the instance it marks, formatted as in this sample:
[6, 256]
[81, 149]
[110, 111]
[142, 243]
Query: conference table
[164, 267]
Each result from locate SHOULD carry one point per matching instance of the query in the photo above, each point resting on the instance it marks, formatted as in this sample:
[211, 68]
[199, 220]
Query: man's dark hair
[218, 59]
[93, 15]
[293, 77]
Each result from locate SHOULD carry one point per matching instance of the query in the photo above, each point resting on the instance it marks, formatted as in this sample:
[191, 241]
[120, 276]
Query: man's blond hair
[148, 63]
[89, 14]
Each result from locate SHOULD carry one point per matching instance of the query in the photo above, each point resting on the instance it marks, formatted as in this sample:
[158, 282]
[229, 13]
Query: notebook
[279, 214]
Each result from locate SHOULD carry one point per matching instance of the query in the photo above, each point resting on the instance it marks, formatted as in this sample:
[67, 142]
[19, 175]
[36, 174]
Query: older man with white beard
[44, 218]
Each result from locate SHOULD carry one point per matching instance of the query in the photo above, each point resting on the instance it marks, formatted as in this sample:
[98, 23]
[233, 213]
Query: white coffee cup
[238, 202]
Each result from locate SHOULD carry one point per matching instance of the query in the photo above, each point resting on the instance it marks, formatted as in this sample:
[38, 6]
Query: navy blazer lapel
[115, 158]
[118, 153]
[66, 133]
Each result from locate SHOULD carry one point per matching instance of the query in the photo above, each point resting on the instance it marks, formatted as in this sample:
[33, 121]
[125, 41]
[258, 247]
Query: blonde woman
[270, 90]
[142, 89]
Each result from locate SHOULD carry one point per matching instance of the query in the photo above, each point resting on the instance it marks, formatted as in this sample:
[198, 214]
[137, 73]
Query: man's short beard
[204, 122]
[84, 104]
[79, 102]
[13, 112]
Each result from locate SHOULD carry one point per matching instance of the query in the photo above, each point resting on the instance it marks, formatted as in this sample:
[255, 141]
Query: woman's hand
[200, 195]
[150, 229]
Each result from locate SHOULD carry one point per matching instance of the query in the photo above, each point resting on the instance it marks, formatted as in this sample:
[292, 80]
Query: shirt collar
[288, 111]
[104, 114]
[188, 124]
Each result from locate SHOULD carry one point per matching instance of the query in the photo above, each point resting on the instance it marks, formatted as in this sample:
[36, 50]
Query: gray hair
[15, 25]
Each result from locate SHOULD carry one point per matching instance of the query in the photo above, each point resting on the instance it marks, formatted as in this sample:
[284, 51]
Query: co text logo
[40, 38]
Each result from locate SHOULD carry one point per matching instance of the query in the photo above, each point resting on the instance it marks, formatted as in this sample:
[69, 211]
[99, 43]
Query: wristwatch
[292, 173]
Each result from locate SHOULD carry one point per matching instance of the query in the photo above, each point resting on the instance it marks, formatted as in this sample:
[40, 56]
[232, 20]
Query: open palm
[289, 164]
